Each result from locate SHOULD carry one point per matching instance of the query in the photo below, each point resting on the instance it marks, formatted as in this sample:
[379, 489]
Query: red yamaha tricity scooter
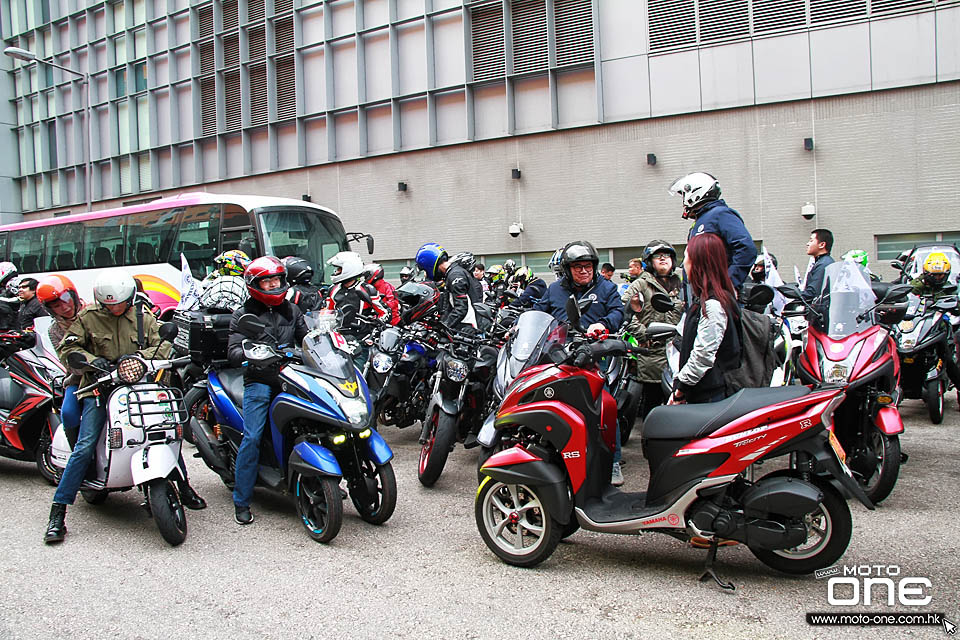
[849, 345]
[558, 479]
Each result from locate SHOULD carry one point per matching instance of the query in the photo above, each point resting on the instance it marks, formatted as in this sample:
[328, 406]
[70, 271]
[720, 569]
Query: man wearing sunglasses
[30, 307]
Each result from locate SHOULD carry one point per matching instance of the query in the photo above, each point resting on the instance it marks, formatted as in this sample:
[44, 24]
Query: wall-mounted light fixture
[515, 174]
[401, 186]
[306, 197]
[651, 159]
[808, 144]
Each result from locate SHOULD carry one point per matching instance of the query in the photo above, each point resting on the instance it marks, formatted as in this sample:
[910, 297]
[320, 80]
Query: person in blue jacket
[818, 248]
[578, 264]
[701, 201]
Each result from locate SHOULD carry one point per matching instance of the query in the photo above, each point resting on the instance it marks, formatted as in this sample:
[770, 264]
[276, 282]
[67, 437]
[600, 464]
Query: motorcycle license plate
[906, 325]
[908, 360]
[838, 449]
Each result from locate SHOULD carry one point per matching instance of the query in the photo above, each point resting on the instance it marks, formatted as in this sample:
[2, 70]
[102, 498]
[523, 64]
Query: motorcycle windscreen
[845, 297]
[321, 352]
[535, 332]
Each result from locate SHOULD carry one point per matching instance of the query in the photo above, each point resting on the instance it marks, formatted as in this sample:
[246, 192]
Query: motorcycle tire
[836, 524]
[936, 389]
[167, 511]
[319, 506]
[44, 459]
[887, 449]
[496, 502]
[433, 453]
[91, 496]
[382, 483]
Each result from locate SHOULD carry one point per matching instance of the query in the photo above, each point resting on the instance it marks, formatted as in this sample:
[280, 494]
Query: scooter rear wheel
[167, 511]
[515, 524]
[319, 506]
[936, 389]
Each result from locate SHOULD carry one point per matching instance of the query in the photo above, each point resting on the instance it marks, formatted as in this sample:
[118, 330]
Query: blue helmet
[554, 263]
[429, 258]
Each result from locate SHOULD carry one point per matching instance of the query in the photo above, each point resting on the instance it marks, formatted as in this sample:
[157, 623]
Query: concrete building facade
[571, 117]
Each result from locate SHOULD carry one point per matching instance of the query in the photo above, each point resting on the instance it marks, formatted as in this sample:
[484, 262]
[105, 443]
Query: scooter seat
[691, 421]
[232, 381]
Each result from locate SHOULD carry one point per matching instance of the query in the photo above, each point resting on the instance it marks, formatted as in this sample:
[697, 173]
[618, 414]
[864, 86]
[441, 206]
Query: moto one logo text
[866, 584]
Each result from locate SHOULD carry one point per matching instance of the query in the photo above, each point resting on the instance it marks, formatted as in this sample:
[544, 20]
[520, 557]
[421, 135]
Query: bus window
[242, 239]
[103, 243]
[197, 239]
[3, 247]
[234, 217]
[306, 233]
[26, 249]
[63, 250]
[150, 235]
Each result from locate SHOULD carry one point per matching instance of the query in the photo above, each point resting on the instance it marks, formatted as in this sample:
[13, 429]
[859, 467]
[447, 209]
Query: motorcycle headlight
[354, 408]
[130, 370]
[382, 363]
[838, 372]
[455, 370]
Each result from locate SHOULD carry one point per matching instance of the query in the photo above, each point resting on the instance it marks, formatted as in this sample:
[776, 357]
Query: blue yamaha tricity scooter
[320, 429]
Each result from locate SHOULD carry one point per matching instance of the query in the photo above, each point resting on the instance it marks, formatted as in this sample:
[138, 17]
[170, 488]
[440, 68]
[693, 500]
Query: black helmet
[465, 259]
[299, 270]
[578, 251]
[418, 299]
[655, 247]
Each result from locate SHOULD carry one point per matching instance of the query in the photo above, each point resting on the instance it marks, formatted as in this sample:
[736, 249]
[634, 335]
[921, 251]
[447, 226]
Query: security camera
[808, 211]
[515, 229]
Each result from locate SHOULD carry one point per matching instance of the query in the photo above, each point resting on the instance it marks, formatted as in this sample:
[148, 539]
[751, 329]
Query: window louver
[723, 20]
[208, 106]
[282, 6]
[231, 95]
[255, 10]
[830, 10]
[125, 186]
[672, 23]
[774, 15]
[205, 21]
[258, 94]
[283, 34]
[143, 162]
[529, 19]
[231, 50]
[892, 6]
[207, 59]
[257, 39]
[231, 18]
[574, 31]
[286, 89]
[486, 34]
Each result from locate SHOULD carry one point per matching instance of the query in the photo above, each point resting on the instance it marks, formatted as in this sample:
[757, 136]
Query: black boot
[56, 528]
[190, 498]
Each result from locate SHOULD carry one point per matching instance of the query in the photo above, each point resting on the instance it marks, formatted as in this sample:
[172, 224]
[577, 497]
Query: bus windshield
[303, 232]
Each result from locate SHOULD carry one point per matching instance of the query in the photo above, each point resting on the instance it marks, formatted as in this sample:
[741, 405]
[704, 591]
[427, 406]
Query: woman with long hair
[711, 336]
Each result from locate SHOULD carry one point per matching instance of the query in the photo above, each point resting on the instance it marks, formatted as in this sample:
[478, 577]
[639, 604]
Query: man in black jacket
[30, 307]
[818, 247]
[266, 280]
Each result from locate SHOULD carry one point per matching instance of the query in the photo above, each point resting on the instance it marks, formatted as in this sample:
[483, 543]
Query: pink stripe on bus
[185, 200]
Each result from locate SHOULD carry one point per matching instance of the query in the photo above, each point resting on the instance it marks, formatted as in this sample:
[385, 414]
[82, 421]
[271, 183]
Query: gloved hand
[101, 363]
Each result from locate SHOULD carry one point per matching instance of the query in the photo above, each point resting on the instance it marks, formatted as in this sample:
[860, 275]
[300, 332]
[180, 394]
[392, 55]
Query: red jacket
[389, 298]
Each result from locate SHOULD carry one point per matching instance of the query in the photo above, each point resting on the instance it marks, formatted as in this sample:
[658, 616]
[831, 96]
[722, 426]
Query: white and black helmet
[114, 288]
[695, 189]
[8, 271]
[348, 265]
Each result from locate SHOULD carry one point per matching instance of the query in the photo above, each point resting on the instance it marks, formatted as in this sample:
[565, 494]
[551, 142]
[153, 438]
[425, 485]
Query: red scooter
[558, 479]
[849, 346]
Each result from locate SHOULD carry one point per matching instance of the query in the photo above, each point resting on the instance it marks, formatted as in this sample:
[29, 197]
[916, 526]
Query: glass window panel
[26, 163]
[63, 247]
[26, 248]
[120, 49]
[52, 146]
[302, 232]
[150, 235]
[123, 126]
[3, 247]
[119, 20]
[140, 76]
[121, 77]
[31, 16]
[55, 188]
[37, 149]
[140, 44]
[197, 239]
[33, 79]
[139, 11]
[103, 242]
[890, 246]
[243, 239]
[143, 123]
[34, 109]
[41, 193]
[235, 216]
[538, 262]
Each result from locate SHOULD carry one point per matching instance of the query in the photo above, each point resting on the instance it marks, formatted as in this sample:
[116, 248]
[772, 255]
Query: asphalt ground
[427, 574]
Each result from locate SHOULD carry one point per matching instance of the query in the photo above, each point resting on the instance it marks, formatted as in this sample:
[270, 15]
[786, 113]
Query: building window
[140, 76]
[120, 75]
[890, 246]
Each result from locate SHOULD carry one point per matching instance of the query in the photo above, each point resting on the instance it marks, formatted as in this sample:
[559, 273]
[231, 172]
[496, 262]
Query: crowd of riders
[720, 257]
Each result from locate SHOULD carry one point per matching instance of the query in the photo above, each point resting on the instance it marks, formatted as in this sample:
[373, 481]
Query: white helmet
[114, 288]
[695, 189]
[8, 271]
[348, 265]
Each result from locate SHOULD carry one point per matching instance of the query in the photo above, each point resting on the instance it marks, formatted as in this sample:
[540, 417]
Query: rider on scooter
[58, 294]
[936, 274]
[266, 280]
[102, 333]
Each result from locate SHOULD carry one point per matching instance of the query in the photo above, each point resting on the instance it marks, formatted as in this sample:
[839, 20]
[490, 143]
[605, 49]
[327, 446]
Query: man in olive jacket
[658, 277]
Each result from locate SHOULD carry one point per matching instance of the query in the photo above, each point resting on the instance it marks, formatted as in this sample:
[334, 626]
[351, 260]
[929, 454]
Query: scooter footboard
[549, 481]
[312, 459]
[154, 462]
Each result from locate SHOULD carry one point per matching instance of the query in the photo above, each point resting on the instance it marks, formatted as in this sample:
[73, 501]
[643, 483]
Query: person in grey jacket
[660, 259]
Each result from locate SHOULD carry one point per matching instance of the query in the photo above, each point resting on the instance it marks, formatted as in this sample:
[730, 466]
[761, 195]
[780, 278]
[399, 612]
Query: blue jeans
[256, 404]
[91, 424]
[71, 411]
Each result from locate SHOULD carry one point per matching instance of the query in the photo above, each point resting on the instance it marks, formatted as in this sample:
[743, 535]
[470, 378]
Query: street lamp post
[29, 56]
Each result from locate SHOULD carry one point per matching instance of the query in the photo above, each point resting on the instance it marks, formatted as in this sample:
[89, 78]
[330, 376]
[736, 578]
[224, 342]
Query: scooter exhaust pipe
[207, 446]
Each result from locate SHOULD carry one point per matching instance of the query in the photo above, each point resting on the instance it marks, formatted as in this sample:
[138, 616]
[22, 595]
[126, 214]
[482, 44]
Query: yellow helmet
[936, 268]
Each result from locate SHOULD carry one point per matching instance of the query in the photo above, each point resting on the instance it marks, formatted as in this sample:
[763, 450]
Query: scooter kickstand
[708, 571]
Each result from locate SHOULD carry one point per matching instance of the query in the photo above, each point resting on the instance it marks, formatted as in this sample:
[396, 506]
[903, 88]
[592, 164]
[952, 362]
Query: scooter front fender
[378, 449]
[888, 420]
[549, 482]
[312, 459]
[157, 461]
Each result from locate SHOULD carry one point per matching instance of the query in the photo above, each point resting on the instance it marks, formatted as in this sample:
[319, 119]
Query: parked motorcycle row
[541, 400]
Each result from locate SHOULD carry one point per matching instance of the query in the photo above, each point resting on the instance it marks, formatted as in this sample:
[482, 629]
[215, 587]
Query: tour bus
[146, 240]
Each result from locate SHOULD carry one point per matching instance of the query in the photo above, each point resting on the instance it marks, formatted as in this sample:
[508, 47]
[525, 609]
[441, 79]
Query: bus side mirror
[370, 245]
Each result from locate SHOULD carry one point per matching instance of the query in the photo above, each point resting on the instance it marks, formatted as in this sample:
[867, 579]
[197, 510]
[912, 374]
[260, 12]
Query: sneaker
[616, 478]
[243, 515]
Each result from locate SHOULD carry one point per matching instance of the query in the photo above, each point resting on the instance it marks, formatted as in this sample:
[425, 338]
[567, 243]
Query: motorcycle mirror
[656, 330]
[370, 244]
[573, 312]
[168, 331]
[897, 292]
[791, 291]
[896, 264]
[661, 302]
[760, 295]
[250, 326]
[77, 360]
[509, 293]
[946, 304]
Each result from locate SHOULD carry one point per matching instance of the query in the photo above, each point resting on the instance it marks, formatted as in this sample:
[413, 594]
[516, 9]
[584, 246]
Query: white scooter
[140, 443]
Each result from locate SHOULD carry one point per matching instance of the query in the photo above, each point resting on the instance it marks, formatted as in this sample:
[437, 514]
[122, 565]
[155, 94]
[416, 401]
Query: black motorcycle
[922, 337]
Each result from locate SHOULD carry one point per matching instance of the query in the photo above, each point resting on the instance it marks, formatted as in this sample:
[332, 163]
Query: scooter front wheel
[92, 496]
[380, 491]
[167, 511]
[936, 389]
[45, 459]
[515, 524]
[434, 452]
[886, 450]
[319, 506]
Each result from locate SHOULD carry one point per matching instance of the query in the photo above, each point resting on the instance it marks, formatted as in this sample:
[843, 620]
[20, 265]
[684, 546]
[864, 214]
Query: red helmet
[257, 271]
[373, 272]
[57, 287]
